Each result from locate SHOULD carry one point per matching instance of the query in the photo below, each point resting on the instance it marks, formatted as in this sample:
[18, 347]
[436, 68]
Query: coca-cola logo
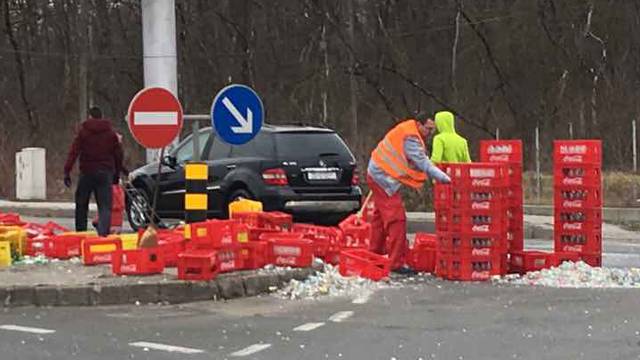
[74, 252]
[102, 258]
[227, 265]
[480, 228]
[572, 226]
[517, 260]
[481, 182]
[572, 204]
[572, 181]
[485, 205]
[575, 248]
[572, 159]
[285, 260]
[286, 250]
[482, 173]
[129, 268]
[500, 149]
[481, 252]
[480, 275]
[539, 262]
[499, 158]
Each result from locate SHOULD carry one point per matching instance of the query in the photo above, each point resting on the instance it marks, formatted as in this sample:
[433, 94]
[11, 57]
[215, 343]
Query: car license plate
[329, 175]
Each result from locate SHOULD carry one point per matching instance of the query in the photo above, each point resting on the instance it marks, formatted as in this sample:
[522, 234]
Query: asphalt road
[432, 320]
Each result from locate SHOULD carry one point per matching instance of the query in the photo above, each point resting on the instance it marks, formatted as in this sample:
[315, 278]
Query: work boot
[404, 271]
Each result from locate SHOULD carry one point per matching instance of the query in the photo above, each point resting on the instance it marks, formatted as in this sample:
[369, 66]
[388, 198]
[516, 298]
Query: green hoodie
[448, 146]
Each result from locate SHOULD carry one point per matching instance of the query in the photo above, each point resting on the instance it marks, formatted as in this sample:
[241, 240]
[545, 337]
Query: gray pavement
[433, 320]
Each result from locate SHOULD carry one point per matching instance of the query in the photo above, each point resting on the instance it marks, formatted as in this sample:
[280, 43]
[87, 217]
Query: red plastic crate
[426, 240]
[559, 257]
[529, 260]
[213, 234]
[469, 268]
[594, 260]
[515, 239]
[363, 263]
[445, 196]
[254, 233]
[472, 244]
[289, 249]
[254, 254]
[99, 250]
[65, 246]
[251, 219]
[170, 249]
[197, 265]
[332, 255]
[577, 197]
[515, 195]
[577, 220]
[277, 220]
[422, 258]
[323, 237]
[476, 174]
[10, 219]
[356, 233]
[37, 245]
[577, 151]
[471, 221]
[143, 261]
[501, 151]
[230, 259]
[578, 241]
[577, 175]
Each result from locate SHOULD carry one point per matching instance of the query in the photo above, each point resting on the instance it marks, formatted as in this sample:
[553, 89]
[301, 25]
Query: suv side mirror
[170, 161]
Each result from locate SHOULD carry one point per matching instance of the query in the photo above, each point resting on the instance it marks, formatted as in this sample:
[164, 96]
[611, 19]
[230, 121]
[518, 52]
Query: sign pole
[156, 188]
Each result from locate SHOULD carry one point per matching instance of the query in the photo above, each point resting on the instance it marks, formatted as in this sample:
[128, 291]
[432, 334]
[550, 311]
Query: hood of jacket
[445, 122]
[97, 125]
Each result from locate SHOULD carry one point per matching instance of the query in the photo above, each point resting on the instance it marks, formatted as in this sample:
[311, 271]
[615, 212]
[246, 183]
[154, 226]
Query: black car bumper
[286, 199]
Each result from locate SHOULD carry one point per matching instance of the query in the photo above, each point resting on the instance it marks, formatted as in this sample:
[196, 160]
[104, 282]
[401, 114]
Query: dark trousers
[99, 184]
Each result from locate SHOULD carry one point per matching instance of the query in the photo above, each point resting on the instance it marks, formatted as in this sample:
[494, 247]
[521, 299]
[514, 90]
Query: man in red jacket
[100, 152]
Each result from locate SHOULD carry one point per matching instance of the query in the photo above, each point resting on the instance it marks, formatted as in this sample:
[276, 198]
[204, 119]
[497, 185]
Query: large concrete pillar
[159, 43]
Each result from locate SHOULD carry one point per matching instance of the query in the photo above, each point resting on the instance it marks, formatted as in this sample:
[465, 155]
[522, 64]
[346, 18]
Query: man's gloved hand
[67, 180]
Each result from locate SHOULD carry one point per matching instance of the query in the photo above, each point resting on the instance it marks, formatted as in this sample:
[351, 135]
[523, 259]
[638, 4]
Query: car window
[260, 146]
[185, 153]
[219, 150]
[311, 144]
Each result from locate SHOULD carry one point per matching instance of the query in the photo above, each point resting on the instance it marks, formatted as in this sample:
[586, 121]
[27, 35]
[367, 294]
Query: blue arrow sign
[237, 114]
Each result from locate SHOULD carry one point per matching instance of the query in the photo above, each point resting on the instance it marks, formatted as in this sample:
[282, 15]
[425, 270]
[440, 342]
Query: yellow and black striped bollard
[195, 197]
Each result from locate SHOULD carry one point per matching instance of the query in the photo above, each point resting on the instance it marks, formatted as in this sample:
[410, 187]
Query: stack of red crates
[509, 152]
[577, 179]
[471, 222]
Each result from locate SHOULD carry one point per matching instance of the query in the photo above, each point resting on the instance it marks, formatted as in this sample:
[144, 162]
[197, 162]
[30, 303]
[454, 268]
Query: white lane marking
[163, 347]
[362, 299]
[27, 329]
[155, 118]
[341, 316]
[251, 350]
[308, 326]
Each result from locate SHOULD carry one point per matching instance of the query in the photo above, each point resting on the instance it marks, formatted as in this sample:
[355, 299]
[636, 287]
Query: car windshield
[312, 144]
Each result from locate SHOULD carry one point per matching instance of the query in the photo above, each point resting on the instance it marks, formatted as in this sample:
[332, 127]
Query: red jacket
[98, 147]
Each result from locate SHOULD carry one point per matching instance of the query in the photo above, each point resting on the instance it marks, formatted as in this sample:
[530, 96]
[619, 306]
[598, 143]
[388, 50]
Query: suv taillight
[355, 179]
[277, 177]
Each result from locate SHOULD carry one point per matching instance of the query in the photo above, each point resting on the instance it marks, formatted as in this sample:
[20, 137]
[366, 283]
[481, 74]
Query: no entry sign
[155, 117]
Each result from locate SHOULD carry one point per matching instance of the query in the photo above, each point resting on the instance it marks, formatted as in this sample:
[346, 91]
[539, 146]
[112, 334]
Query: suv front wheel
[138, 208]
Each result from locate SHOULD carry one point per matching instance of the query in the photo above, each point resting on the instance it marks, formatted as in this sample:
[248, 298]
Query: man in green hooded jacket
[448, 146]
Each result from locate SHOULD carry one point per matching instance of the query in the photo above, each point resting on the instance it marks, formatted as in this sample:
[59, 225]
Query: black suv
[306, 171]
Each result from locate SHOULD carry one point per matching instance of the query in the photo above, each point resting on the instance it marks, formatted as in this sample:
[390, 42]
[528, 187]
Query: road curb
[226, 286]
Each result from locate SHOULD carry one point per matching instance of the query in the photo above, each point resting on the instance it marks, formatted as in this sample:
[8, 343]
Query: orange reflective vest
[390, 157]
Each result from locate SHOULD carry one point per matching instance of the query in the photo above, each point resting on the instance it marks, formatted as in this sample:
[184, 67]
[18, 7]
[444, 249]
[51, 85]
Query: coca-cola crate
[356, 233]
[171, 247]
[470, 221]
[323, 237]
[143, 261]
[446, 196]
[514, 196]
[11, 219]
[64, 246]
[464, 267]
[252, 219]
[577, 175]
[37, 245]
[363, 263]
[577, 197]
[213, 234]
[288, 249]
[515, 239]
[99, 250]
[594, 259]
[476, 174]
[422, 257]
[254, 233]
[501, 151]
[560, 257]
[229, 258]
[426, 240]
[332, 255]
[514, 171]
[472, 244]
[515, 218]
[254, 254]
[589, 219]
[577, 152]
[530, 260]
[578, 241]
[277, 220]
[197, 265]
